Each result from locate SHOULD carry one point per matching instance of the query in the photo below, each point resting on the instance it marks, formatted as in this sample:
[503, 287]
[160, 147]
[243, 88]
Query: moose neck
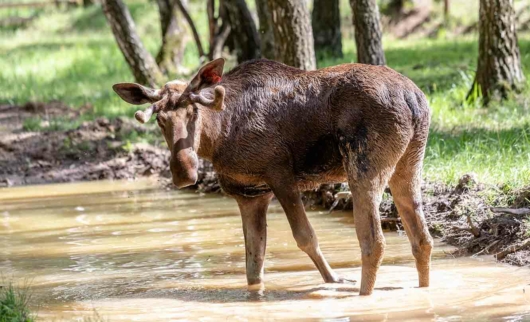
[210, 128]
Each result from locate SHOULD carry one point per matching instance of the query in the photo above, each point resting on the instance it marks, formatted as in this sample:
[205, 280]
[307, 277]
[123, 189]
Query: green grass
[32, 124]
[14, 304]
[70, 55]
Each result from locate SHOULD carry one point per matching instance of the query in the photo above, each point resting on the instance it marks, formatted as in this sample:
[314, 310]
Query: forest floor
[60, 122]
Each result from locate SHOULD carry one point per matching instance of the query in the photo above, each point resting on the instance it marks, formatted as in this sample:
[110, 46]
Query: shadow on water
[212, 295]
[242, 295]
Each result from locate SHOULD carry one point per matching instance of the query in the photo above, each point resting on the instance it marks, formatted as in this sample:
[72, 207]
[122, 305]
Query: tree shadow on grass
[44, 48]
[85, 77]
[92, 19]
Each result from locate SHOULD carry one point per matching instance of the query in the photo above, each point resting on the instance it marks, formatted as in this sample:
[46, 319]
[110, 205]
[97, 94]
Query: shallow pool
[132, 251]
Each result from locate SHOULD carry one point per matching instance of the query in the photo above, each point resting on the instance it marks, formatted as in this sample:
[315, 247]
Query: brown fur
[284, 130]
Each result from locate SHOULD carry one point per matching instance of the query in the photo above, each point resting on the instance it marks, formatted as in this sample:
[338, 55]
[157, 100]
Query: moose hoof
[341, 280]
[256, 287]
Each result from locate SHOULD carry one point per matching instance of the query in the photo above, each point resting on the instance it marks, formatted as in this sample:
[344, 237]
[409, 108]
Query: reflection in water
[136, 252]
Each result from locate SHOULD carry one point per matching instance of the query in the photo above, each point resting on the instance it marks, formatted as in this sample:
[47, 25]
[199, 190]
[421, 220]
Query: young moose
[273, 129]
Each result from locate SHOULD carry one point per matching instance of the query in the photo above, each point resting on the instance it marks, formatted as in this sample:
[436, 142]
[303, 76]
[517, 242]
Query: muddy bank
[93, 151]
[478, 219]
[35, 148]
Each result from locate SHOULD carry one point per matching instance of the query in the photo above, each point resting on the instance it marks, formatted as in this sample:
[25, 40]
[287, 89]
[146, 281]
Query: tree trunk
[326, 28]
[223, 14]
[446, 10]
[368, 36]
[395, 8]
[244, 32]
[293, 35]
[182, 7]
[499, 64]
[171, 52]
[212, 22]
[216, 49]
[141, 63]
[265, 29]
[217, 33]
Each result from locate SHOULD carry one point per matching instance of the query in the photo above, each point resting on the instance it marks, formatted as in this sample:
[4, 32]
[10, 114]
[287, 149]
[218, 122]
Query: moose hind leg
[369, 169]
[405, 186]
[366, 199]
[254, 218]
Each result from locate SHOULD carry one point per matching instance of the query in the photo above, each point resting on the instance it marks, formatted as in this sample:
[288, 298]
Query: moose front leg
[306, 239]
[254, 217]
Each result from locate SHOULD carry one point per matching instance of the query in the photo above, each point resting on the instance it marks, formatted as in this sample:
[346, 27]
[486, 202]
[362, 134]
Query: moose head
[177, 106]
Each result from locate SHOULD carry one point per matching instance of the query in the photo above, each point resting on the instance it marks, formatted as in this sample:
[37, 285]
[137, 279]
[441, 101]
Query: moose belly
[315, 162]
[319, 162]
[313, 181]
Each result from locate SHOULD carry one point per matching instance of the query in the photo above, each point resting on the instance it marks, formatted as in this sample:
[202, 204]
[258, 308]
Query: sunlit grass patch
[14, 303]
[496, 156]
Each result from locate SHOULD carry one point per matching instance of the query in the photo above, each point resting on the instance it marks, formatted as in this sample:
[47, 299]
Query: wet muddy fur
[282, 131]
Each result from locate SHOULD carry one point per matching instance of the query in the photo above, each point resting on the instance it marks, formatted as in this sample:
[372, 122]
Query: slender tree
[141, 63]
[244, 32]
[368, 36]
[499, 63]
[219, 39]
[326, 27]
[446, 10]
[395, 8]
[293, 35]
[181, 4]
[171, 52]
[266, 33]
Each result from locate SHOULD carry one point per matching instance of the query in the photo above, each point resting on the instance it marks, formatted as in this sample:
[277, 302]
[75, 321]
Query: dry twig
[511, 211]
[512, 249]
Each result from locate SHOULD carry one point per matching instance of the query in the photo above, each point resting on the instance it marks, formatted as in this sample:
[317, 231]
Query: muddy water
[134, 252]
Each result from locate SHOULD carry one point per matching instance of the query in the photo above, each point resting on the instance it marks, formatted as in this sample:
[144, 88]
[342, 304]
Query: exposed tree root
[510, 211]
[512, 249]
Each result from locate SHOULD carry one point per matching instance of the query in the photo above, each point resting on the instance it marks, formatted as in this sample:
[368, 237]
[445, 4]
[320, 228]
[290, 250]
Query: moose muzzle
[184, 166]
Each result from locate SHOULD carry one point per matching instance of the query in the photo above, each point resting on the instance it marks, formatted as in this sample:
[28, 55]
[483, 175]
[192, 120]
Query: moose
[274, 130]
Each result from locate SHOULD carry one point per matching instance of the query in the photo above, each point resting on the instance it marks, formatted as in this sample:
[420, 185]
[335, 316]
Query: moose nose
[184, 166]
[184, 181]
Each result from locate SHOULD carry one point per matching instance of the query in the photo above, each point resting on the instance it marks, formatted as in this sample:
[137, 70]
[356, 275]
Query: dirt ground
[479, 220]
[95, 150]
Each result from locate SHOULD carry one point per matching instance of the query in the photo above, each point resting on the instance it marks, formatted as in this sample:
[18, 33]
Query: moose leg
[366, 200]
[405, 185]
[368, 175]
[254, 218]
[306, 239]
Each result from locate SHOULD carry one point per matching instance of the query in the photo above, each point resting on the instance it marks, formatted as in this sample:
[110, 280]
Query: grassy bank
[71, 56]
[14, 304]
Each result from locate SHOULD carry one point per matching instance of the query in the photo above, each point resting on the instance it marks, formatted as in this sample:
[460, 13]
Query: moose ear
[209, 74]
[136, 94]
